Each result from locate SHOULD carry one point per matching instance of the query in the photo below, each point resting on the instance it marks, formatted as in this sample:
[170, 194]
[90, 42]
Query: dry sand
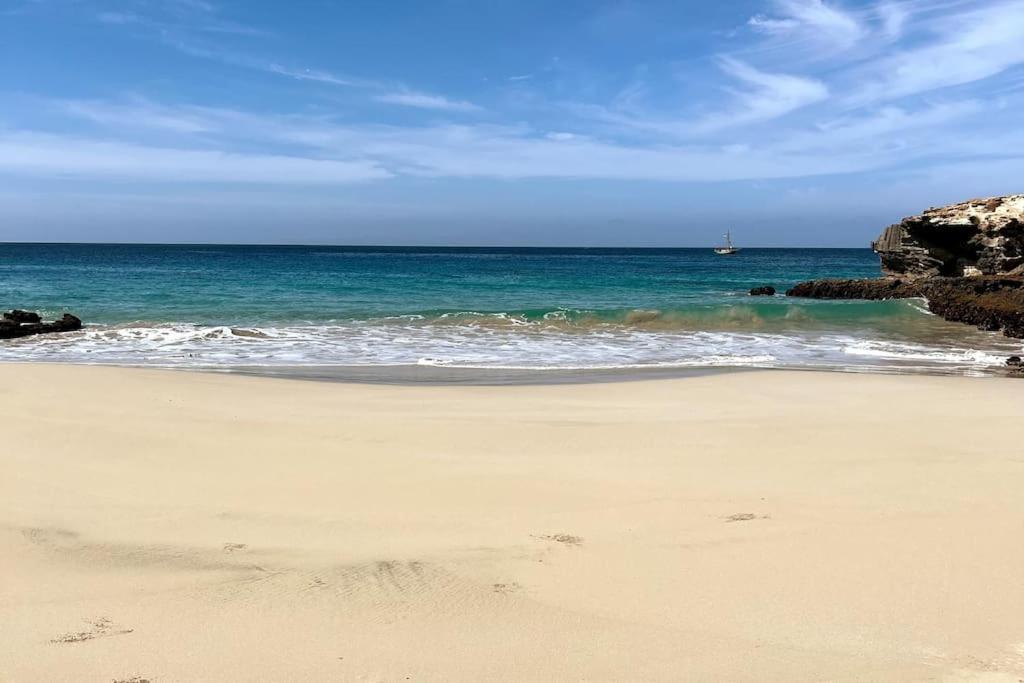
[761, 526]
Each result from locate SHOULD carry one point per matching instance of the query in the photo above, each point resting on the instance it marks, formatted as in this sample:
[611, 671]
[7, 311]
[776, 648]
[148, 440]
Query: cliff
[976, 237]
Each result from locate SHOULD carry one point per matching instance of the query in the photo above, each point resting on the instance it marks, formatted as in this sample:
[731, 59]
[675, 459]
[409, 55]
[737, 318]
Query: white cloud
[421, 100]
[968, 47]
[38, 154]
[136, 113]
[768, 95]
[893, 17]
[811, 19]
[318, 76]
[325, 152]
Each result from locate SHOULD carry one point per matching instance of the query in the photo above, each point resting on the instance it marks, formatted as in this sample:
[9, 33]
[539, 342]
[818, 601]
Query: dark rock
[879, 288]
[20, 316]
[1014, 360]
[989, 303]
[762, 291]
[11, 328]
[976, 237]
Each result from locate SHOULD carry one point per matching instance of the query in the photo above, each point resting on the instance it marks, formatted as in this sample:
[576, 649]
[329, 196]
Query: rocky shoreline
[18, 323]
[966, 260]
[988, 302]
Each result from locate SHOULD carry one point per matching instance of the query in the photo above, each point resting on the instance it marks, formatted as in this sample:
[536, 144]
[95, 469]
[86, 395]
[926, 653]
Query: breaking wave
[883, 336]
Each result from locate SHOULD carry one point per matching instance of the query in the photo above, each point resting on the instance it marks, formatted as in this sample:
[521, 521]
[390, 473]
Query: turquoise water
[228, 306]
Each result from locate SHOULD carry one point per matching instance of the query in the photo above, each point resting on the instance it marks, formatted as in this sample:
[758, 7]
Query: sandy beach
[175, 526]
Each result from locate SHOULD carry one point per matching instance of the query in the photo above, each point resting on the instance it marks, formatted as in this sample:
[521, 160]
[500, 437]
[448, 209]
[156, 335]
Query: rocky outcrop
[19, 323]
[966, 259]
[763, 291]
[855, 289]
[990, 303]
[20, 316]
[976, 237]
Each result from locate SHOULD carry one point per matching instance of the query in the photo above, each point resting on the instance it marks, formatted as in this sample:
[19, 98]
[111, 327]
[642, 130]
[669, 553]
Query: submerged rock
[972, 238]
[19, 323]
[762, 291]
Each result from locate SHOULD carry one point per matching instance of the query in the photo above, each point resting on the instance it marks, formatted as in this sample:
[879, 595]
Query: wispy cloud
[137, 113]
[766, 96]
[892, 17]
[200, 16]
[965, 47]
[850, 144]
[421, 100]
[75, 157]
[814, 20]
[315, 75]
[382, 91]
[877, 101]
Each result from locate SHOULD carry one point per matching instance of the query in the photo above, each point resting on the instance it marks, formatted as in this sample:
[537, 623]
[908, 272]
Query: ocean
[371, 311]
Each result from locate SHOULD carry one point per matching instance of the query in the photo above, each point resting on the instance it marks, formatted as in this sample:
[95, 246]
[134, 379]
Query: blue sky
[792, 122]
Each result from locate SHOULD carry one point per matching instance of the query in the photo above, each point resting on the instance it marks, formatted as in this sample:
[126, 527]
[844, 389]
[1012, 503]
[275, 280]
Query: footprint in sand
[565, 539]
[744, 517]
[234, 547]
[506, 588]
[98, 628]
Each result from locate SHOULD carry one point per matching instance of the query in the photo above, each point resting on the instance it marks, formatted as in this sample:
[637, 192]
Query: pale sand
[759, 526]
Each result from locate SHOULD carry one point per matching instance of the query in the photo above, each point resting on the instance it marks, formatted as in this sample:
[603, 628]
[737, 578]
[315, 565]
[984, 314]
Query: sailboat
[728, 249]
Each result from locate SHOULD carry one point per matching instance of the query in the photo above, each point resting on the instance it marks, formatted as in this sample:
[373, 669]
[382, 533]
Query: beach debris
[506, 588]
[766, 290]
[744, 517]
[98, 628]
[19, 323]
[566, 539]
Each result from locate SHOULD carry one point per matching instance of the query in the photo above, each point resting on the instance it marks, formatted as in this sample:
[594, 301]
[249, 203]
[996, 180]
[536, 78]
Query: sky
[502, 122]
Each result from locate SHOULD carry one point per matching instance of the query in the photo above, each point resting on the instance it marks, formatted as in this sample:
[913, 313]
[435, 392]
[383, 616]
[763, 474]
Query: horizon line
[384, 246]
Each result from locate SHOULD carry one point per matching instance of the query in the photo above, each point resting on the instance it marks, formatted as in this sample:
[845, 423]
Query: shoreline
[441, 376]
[742, 526]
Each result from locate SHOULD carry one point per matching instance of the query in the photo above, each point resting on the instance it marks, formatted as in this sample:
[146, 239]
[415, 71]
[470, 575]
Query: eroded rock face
[976, 237]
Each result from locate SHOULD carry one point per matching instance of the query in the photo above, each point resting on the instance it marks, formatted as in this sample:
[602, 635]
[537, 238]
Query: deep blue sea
[485, 308]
